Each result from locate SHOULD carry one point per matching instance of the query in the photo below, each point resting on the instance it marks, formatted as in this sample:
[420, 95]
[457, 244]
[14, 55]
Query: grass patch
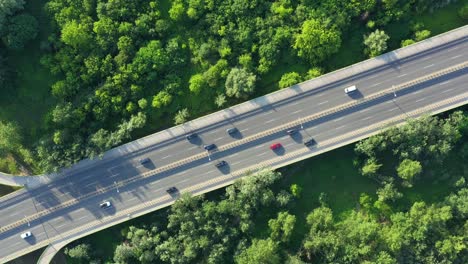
[31, 99]
[444, 19]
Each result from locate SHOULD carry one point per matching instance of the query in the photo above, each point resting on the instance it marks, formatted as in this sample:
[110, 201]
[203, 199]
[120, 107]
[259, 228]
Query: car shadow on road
[297, 137]
[356, 95]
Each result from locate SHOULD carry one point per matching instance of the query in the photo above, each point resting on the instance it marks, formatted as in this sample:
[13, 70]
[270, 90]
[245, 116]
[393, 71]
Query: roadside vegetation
[329, 209]
[79, 77]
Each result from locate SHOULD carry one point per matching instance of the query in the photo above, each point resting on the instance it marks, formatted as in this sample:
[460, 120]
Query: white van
[350, 89]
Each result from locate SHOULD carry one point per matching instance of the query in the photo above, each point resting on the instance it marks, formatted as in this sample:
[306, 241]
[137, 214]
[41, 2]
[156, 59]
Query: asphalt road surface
[111, 175]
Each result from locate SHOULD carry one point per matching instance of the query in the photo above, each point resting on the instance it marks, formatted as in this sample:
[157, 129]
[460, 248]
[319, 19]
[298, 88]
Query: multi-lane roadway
[64, 207]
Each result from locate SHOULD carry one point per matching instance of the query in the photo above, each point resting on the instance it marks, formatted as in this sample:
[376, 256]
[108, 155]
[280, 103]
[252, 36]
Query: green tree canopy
[240, 83]
[282, 227]
[21, 29]
[289, 79]
[10, 137]
[408, 169]
[264, 251]
[376, 42]
[317, 41]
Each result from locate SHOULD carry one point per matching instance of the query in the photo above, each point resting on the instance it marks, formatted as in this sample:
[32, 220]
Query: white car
[105, 204]
[26, 235]
[350, 89]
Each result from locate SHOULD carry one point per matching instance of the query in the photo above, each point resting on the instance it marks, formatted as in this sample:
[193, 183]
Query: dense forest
[128, 67]
[384, 227]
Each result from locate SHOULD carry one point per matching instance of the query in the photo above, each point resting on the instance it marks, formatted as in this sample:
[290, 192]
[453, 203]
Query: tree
[181, 116]
[124, 254]
[142, 103]
[21, 29]
[289, 79]
[81, 252]
[283, 198]
[76, 34]
[296, 190]
[313, 73]
[408, 169]
[8, 8]
[197, 83]
[317, 41]
[220, 100]
[281, 228]
[463, 12]
[10, 137]
[264, 251]
[62, 113]
[388, 193]
[376, 42]
[422, 35]
[161, 99]
[370, 168]
[407, 42]
[240, 83]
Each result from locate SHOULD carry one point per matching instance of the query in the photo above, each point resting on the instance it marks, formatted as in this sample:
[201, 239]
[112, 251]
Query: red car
[275, 146]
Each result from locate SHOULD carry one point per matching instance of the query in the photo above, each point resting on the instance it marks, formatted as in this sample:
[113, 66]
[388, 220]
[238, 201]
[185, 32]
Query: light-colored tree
[264, 251]
[282, 227]
[407, 42]
[376, 42]
[220, 100]
[240, 83]
[181, 116]
[80, 252]
[422, 35]
[408, 169]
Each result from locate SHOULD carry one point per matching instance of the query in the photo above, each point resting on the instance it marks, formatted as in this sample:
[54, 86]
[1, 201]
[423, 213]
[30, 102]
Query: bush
[289, 79]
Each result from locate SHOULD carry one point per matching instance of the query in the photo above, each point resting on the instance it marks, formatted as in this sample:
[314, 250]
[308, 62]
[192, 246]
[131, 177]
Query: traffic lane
[12, 243]
[17, 211]
[406, 75]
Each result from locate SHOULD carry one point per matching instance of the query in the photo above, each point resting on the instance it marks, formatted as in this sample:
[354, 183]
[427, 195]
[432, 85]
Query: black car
[231, 130]
[310, 142]
[191, 136]
[221, 164]
[209, 147]
[144, 161]
[171, 190]
[291, 131]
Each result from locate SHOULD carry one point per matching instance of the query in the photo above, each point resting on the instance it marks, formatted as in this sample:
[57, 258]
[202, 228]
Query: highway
[52, 210]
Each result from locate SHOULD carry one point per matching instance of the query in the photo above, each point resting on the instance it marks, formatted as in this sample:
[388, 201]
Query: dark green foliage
[8, 8]
[20, 30]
